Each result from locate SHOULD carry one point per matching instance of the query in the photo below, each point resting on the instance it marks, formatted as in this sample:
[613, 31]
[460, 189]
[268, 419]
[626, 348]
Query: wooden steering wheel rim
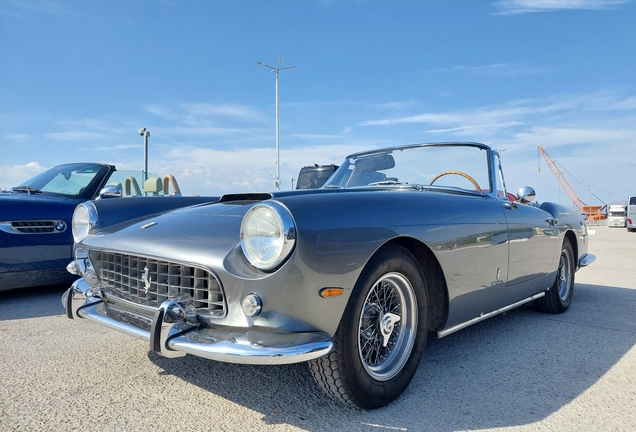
[459, 173]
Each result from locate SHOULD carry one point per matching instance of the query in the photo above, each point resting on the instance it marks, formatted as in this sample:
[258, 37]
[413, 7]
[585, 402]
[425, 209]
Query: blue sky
[79, 79]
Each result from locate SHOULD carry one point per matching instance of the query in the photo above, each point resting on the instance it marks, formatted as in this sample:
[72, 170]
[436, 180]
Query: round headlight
[84, 220]
[268, 235]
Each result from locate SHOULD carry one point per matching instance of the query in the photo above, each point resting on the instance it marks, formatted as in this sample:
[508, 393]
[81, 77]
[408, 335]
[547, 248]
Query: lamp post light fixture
[145, 133]
[275, 70]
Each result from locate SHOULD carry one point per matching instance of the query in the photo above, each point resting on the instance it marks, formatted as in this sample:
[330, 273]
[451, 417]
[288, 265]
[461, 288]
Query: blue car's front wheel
[382, 333]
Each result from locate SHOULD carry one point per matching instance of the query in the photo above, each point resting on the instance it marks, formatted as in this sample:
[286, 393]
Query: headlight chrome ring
[268, 235]
[84, 220]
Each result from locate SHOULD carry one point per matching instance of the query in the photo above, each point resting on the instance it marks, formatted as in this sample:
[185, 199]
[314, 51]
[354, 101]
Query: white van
[631, 213]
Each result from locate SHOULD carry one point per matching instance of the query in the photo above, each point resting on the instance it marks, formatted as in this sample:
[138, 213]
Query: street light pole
[275, 70]
[145, 133]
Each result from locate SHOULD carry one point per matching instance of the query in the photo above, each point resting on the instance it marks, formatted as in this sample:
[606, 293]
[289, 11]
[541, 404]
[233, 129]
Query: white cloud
[214, 172]
[13, 175]
[520, 111]
[480, 128]
[596, 137]
[493, 114]
[510, 7]
[198, 130]
[395, 106]
[204, 113]
[314, 136]
[496, 70]
[20, 8]
[75, 135]
[17, 137]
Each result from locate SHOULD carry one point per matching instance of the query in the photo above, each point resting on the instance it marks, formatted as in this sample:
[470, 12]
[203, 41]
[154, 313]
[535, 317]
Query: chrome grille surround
[150, 281]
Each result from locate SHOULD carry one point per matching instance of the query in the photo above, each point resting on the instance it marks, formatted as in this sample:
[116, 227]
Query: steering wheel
[459, 173]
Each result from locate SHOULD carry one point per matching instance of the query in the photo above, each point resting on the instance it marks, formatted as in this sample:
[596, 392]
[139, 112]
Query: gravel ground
[521, 371]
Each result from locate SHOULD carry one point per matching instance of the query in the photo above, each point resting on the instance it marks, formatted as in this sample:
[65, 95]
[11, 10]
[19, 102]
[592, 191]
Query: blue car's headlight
[268, 235]
[84, 220]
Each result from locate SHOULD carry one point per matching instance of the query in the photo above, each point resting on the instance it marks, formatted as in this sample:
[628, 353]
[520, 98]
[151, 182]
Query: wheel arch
[434, 277]
[571, 236]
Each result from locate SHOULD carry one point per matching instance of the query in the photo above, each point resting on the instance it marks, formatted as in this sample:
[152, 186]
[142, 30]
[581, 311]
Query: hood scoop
[246, 197]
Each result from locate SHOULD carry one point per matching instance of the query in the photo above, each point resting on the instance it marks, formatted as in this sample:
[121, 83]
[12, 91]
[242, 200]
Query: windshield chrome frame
[491, 166]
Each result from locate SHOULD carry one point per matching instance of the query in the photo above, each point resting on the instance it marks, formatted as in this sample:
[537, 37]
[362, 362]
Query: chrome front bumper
[174, 332]
[586, 260]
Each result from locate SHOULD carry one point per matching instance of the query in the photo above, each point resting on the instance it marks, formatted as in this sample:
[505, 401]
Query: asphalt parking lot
[522, 371]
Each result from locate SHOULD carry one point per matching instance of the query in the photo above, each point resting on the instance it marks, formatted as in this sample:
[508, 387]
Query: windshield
[70, 179]
[444, 165]
[314, 177]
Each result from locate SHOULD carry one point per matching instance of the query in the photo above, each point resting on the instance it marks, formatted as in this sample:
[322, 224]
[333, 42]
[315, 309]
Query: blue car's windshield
[69, 179]
[449, 166]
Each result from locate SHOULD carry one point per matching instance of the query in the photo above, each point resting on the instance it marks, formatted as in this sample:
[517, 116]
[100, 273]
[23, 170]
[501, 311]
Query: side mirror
[110, 191]
[526, 195]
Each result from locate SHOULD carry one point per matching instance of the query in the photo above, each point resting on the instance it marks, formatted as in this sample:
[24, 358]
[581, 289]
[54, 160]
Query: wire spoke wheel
[564, 274]
[388, 326]
[382, 333]
[558, 297]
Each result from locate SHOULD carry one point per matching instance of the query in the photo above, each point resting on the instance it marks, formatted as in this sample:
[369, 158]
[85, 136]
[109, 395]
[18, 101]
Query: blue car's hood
[22, 206]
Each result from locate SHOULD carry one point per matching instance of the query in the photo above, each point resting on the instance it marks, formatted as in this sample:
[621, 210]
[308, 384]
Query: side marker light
[331, 292]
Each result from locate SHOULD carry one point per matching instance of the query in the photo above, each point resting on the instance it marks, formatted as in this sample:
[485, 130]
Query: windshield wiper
[27, 189]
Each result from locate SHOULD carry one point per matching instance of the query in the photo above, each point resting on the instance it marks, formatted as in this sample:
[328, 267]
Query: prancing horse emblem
[146, 279]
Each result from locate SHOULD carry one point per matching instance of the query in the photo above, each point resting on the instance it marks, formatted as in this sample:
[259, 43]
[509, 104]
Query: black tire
[558, 297]
[381, 336]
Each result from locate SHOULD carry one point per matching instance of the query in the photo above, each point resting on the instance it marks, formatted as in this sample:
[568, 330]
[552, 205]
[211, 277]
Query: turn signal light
[331, 292]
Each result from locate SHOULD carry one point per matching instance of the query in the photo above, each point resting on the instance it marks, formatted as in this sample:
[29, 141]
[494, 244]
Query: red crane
[593, 212]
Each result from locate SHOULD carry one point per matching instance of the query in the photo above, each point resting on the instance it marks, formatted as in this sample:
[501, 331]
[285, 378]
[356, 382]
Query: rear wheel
[381, 336]
[558, 297]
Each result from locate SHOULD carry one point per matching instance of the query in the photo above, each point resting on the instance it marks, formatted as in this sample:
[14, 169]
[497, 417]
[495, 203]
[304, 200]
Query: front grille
[150, 282]
[34, 226]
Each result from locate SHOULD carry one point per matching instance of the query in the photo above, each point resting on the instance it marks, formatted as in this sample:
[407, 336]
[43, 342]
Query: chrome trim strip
[483, 316]
[586, 260]
[172, 337]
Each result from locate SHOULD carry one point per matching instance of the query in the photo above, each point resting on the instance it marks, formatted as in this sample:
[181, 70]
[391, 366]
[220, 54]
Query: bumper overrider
[175, 331]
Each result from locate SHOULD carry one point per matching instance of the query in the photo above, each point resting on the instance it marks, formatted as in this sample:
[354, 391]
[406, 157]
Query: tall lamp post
[145, 133]
[589, 205]
[275, 70]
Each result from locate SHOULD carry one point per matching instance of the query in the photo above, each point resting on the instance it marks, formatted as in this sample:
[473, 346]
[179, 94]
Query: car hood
[211, 232]
[207, 233]
[22, 206]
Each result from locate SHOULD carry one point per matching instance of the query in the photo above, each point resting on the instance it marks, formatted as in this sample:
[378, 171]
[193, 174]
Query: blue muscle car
[350, 278]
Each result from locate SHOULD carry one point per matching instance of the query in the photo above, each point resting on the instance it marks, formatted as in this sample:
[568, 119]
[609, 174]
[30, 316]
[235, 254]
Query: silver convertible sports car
[350, 277]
